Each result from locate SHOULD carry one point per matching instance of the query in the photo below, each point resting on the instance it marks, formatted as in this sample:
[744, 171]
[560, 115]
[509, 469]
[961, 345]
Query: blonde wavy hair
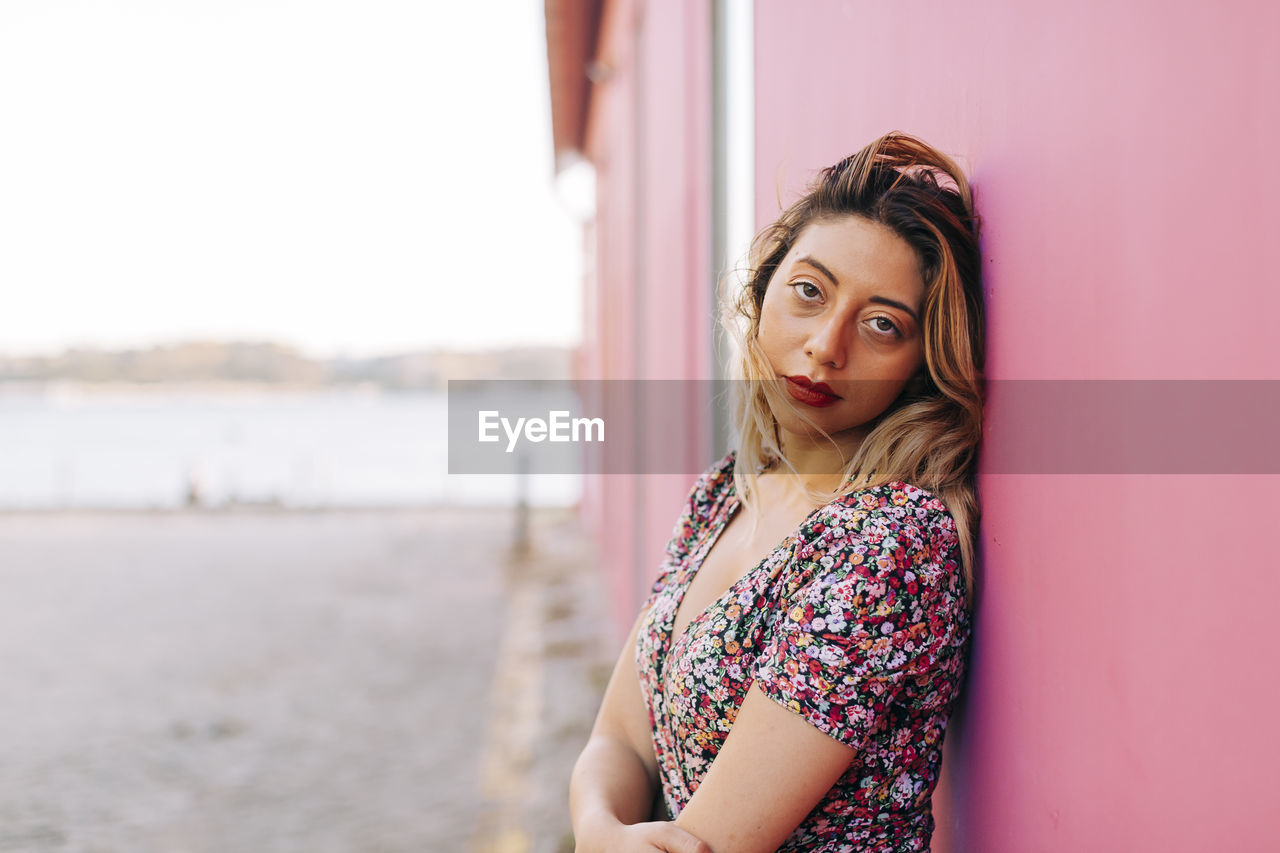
[929, 435]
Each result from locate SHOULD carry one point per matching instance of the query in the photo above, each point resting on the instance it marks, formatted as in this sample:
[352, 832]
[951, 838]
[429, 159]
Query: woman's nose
[827, 342]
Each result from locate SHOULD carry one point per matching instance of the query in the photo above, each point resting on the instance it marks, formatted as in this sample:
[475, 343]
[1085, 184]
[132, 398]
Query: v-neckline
[724, 514]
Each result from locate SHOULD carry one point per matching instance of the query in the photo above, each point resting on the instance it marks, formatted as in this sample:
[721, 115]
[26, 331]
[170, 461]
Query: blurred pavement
[267, 681]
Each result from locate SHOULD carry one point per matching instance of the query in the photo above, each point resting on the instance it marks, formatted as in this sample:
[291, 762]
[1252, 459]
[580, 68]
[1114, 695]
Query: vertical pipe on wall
[639, 579]
[732, 172]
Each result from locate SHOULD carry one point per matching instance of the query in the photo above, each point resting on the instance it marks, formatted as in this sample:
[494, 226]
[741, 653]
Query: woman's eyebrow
[816, 264]
[884, 300]
[881, 300]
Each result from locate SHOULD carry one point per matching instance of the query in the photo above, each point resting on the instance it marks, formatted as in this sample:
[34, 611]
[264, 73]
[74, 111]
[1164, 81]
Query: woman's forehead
[853, 251]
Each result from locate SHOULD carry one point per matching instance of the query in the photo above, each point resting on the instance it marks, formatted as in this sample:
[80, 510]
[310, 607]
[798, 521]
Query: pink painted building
[1124, 657]
[630, 86]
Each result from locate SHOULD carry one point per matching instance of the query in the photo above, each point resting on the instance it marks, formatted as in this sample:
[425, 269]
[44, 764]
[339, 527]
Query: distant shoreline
[551, 512]
[237, 365]
[83, 387]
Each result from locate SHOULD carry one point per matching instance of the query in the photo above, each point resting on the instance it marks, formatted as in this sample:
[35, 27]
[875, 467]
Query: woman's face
[843, 309]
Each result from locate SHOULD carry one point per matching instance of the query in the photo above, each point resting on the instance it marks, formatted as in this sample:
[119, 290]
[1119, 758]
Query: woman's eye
[892, 327]
[808, 290]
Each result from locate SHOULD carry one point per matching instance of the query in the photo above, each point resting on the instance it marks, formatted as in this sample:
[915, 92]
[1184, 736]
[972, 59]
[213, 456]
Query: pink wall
[649, 138]
[1123, 669]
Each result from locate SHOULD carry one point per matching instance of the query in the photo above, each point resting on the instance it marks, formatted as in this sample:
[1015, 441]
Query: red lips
[816, 394]
[806, 382]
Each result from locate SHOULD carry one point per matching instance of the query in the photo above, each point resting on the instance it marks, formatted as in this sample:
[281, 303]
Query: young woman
[788, 682]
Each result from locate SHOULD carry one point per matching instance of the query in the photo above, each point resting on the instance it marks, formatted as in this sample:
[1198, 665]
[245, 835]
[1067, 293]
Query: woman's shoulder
[916, 518]
[708, 491]
[705, 496]
[712, 484]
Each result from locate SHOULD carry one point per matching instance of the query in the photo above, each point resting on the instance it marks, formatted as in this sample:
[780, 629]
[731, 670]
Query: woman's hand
[612, 793]
[643, 838]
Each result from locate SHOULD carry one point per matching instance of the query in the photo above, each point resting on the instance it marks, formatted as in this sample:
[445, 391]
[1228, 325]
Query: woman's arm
[611, 792]
[772, 769]
[872, 603]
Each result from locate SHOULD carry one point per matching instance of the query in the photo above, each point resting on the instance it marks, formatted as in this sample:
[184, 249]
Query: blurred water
[71, 446]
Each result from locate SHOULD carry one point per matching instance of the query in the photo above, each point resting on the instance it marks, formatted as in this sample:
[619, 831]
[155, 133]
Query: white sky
[358, 176]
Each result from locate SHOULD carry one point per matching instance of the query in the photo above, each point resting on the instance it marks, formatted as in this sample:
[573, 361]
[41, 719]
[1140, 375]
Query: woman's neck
[820, 465]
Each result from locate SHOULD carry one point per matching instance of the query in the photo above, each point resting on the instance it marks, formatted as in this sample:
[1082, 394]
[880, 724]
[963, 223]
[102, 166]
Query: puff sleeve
[872, 613]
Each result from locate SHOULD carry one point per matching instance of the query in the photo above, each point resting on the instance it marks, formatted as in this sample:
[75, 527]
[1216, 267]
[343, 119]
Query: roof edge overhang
[572, 29]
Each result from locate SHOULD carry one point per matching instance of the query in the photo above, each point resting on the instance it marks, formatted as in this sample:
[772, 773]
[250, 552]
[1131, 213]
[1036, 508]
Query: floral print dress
[858, 622]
